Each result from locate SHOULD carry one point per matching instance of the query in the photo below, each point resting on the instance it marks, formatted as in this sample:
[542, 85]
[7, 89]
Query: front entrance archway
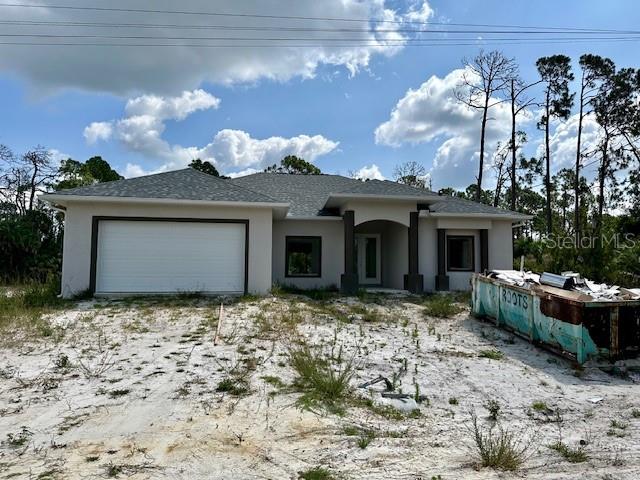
[396, 264]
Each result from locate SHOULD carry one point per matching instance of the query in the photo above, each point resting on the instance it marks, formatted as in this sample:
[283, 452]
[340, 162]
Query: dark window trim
[95, 222]
[286, 257]
[473, 253]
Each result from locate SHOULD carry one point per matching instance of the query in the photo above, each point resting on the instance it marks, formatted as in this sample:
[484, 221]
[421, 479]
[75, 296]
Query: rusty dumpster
[565, 323]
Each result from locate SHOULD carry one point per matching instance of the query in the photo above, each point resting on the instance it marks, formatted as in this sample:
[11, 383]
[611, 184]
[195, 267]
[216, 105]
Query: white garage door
[165, 256]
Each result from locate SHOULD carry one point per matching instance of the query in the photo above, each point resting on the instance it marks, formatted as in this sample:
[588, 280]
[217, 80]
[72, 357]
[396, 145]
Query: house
[186, 231]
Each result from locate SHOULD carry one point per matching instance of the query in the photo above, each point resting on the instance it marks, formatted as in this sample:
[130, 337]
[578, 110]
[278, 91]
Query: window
[302, 257]
[460, 254]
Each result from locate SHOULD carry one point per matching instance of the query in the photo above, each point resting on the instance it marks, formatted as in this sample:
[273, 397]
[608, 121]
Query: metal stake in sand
[216, 339]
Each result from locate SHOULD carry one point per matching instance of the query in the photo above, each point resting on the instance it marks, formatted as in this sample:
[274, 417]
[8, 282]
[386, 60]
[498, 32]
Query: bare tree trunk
[483, 128]
[32, 186]
[547, 176]
[602, 175]
[576, 187]
[514, 186]
[496, 196]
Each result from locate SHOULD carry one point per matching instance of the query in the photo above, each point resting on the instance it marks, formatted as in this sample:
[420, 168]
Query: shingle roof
[186, 184]
[385, 187]
[461, 205]
[306, 194]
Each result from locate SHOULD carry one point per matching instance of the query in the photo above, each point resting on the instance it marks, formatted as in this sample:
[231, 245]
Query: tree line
[568, 204]
[30, 232]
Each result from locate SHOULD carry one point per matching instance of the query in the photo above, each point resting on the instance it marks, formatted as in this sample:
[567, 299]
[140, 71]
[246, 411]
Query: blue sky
[50, 95]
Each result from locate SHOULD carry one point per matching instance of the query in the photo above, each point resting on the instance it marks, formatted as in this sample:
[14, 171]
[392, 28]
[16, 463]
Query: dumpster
[567, 322]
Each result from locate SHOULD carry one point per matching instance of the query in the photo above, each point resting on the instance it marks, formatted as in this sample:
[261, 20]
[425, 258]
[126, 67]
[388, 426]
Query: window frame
[286, 255]
[473, 253]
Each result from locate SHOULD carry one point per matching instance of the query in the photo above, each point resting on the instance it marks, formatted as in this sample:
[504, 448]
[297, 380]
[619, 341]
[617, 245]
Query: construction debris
[567, 282]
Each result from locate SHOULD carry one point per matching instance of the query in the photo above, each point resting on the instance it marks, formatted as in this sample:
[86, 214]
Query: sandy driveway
[130, 390]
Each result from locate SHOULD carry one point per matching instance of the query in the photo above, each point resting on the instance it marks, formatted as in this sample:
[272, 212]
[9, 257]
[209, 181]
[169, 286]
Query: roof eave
[65, 199]
[340, 197]
[492, 216]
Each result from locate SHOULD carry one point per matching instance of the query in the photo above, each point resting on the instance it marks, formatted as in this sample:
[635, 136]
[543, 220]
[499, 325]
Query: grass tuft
[19, 439]
[441, 306]
[316, 473]
[573, 455]
[24, 308]
[233, 386]
[492, 354]
[322, 383]
[498, 448]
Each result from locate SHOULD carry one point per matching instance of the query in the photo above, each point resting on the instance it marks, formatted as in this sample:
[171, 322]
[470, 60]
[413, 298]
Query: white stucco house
[186, 231]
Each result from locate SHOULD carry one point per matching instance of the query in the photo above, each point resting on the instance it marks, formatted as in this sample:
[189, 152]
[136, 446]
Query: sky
[351, 104]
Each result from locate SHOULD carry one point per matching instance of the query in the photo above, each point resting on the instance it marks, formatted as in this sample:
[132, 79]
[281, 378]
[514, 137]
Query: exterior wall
[76, 262]
[500, 247]
[267, 242]
[368, 210]
[332, 261]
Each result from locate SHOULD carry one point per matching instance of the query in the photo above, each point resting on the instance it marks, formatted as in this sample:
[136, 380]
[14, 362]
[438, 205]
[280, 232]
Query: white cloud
[143, 125]
[176, 108]
[236, 148]
[432, 113]
[371, 172]
[124, 70]
[563, 141]
[132, 170]
[97, 131]
[420, 12]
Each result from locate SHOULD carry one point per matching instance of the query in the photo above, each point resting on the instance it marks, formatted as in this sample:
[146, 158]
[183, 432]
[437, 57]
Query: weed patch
[497, 447]
[492, 354]
[317, 473]
[573, 455]
[234, 386]
[441, 306]
[24, 309]
[18, 439]
[322, 383]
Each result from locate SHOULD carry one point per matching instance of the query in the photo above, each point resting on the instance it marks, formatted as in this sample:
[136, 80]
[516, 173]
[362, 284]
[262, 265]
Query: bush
[498, 448]
[321, 382]
[30, 247]
[441, 306]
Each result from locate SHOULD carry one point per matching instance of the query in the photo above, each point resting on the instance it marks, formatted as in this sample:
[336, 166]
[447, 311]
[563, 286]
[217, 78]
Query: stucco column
[413, 281]
[442, 280]
[484, 250]
[349, 279]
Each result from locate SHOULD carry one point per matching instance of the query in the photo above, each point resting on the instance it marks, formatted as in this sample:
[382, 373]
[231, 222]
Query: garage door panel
[160, 256]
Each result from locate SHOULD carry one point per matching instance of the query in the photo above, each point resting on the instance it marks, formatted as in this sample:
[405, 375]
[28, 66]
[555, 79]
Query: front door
[368, 258]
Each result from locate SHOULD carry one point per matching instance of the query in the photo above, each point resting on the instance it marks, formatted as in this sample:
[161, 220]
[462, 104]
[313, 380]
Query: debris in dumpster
[558, 281]
[569, 294]
[515, 277]
[564, 285]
